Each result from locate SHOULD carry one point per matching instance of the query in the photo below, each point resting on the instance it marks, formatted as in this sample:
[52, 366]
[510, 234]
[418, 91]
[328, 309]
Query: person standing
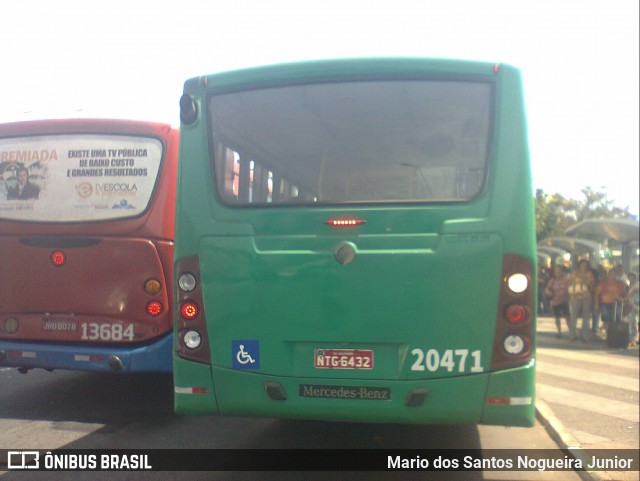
[543, 298]
[610, 294]
[632, 301]
[557, 290]
[581, 290]
[599, 273]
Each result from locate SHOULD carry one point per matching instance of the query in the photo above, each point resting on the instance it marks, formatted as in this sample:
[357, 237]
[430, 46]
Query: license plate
[64, 326]
[343, 359]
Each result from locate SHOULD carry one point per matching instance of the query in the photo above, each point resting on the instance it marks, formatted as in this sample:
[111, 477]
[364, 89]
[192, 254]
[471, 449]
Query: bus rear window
[346, 142]
[77, 177]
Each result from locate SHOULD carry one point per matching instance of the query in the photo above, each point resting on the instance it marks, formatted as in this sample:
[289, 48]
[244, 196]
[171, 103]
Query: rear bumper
[501, 398]
[155, 357]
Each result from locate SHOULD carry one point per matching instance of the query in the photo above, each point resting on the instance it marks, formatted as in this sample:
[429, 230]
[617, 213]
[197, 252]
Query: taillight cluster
[192, 342]
[153, 287]
[513, 341]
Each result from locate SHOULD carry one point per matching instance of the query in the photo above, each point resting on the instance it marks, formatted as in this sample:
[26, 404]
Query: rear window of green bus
[77, 177]
[352, 142]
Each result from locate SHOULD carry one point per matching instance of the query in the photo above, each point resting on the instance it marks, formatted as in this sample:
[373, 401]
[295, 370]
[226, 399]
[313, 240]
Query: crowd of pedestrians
[587, 297]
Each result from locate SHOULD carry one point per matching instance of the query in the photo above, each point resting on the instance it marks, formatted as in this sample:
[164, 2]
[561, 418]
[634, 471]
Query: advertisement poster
[77, 177]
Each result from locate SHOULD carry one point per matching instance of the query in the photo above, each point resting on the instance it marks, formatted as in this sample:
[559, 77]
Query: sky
[129, 59]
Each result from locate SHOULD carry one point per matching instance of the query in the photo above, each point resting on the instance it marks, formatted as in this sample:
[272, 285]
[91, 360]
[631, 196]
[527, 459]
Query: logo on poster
[85, 189]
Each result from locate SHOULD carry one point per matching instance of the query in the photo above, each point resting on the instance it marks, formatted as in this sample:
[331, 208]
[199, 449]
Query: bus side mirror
[188, 109]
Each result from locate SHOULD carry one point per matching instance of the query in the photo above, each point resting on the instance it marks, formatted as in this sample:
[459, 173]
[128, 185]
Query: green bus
[355, 241]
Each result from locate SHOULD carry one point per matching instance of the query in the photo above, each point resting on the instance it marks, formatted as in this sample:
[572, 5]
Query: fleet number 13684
[93, 331]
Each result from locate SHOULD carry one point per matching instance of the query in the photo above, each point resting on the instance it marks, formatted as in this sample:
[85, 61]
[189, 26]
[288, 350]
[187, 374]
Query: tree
[552, 214]
[597, 204]
[555, 213]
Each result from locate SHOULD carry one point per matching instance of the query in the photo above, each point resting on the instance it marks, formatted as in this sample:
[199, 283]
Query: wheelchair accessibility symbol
[246, 354]
[244, 358]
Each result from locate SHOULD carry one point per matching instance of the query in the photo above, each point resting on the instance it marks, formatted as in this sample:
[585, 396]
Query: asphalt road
[76, 410]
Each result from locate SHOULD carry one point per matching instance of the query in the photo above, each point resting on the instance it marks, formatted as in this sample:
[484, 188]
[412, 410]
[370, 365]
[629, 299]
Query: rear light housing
[191, 342]
[513, 342]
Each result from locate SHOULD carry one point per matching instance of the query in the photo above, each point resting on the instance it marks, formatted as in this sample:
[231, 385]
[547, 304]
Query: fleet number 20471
[459, 360]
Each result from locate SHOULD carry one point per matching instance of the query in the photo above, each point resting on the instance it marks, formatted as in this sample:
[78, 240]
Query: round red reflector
[189, 310]
[154, 308]
[516, 313]
[58, 258]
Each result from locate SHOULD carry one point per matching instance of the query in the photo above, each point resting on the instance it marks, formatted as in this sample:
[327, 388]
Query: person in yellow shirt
[609, 293]
[581, 289]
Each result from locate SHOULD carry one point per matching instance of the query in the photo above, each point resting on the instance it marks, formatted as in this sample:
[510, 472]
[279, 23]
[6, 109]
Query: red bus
[86, 244]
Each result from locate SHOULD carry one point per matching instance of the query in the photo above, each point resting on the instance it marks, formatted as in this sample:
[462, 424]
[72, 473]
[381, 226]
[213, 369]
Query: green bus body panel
[424, 277]
[299, 299]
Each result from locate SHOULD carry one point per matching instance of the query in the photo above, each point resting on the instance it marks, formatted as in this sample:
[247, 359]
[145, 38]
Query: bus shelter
[577, 248]
[555, 255]
[623, 233]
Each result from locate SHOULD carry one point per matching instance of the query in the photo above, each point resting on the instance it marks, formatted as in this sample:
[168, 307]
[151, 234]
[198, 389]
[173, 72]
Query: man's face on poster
[23, 176]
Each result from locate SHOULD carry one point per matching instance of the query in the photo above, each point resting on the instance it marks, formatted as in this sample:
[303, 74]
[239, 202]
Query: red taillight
[189, 310]
[58, 258]
[516, 313]
[154, 308]
[344, 222]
